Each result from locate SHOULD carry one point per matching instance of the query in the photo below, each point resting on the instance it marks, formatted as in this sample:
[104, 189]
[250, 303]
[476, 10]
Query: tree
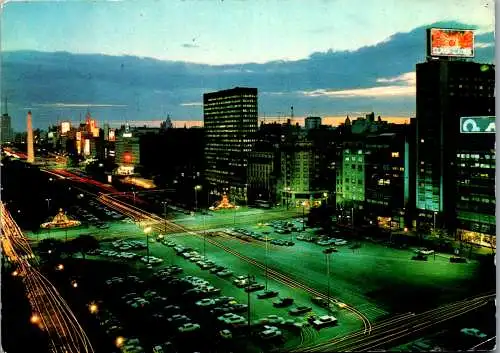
[50, 248]
[84, 243]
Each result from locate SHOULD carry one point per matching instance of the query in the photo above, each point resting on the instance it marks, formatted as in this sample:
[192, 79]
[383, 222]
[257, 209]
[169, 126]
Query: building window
[395, 154]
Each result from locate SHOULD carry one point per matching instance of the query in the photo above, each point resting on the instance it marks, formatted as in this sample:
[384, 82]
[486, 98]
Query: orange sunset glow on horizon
[328, 120]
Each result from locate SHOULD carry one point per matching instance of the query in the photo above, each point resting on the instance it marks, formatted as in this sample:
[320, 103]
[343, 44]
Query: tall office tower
[5, 128]
[312, 122]
[448, 88]
[31, 150]
[128, 155]
[475, 181]
[230, 121]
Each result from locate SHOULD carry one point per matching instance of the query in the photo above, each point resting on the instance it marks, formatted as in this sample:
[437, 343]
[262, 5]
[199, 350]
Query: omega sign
[477, 125]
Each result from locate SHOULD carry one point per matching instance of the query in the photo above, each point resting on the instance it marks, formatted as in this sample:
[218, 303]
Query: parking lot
[377, 280]
[260, 309]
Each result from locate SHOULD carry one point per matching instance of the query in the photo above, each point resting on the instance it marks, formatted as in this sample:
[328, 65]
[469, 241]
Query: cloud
[407, 88]
[409, 78]
[371, 92]
[191, 104]
[190, 46]
[80, 105]
[377, 78]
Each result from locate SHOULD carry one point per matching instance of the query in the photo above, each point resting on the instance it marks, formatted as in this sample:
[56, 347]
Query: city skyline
[329, 75]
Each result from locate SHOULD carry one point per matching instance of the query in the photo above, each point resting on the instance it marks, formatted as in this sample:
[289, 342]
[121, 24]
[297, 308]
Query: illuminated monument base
[61, 221]
[223, 204]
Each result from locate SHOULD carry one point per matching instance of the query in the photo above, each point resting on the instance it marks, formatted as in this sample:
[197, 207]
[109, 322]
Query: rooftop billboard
[450, 42]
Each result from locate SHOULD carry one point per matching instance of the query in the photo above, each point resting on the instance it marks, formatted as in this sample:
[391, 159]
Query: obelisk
[31, 150]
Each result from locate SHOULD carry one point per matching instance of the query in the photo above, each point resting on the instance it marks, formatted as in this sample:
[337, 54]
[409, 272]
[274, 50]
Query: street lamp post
[48, 210]
[266, 239]
[303, 216]
[196, 188]
[390, 230]
[250, 280]
[147, 230]
[164, 203]
[327, 253]
[434, 228]
[204, 238]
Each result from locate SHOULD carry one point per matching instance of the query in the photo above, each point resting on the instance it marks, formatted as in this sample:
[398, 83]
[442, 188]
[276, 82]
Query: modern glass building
[230, 119]
[475, 187]
[447, 89]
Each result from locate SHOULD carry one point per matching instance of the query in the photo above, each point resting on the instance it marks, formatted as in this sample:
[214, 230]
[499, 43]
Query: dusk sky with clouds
[139, 60]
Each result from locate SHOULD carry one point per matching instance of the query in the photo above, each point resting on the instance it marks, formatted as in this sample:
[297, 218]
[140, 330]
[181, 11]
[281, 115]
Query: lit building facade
[261, 176]
[475, 188]
[350, 184]
[230, 122]
[5, 129]
[387, 178]
[127, 153]
[446, 91]
[299, 164]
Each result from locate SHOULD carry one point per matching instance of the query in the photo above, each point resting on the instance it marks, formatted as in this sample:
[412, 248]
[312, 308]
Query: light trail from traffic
[160, 224]
[391, 330]
[50, 310]
[382, 332]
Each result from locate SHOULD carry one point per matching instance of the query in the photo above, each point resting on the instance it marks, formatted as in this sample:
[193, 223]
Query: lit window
[395, 154]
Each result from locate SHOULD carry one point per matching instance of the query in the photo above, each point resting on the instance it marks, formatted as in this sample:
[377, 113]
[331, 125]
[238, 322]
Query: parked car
[424, 251]
[268, 294]
[458, 259]
[254, 287]
[283, 302]
[419, 257]
[324, 321]
[226, 334]
[275, 319]
[189, 327]
[300, 310]
[224, 273]
[322, 302]
[205, 302]
[270, 334]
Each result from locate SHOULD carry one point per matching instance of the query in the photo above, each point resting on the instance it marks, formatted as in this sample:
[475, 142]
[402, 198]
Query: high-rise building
[388, 178]
[5, 128]
[6, 133]
[447, 90]
[30, 141]
[230, 121]
[475, 182]
[350, 184]
[127, 149]
[312, 122]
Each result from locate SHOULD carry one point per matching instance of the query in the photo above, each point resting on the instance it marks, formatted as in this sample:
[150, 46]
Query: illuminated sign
[65, 127]
[477, 125]
[451, 42]
[127, 134]
[127, 157]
